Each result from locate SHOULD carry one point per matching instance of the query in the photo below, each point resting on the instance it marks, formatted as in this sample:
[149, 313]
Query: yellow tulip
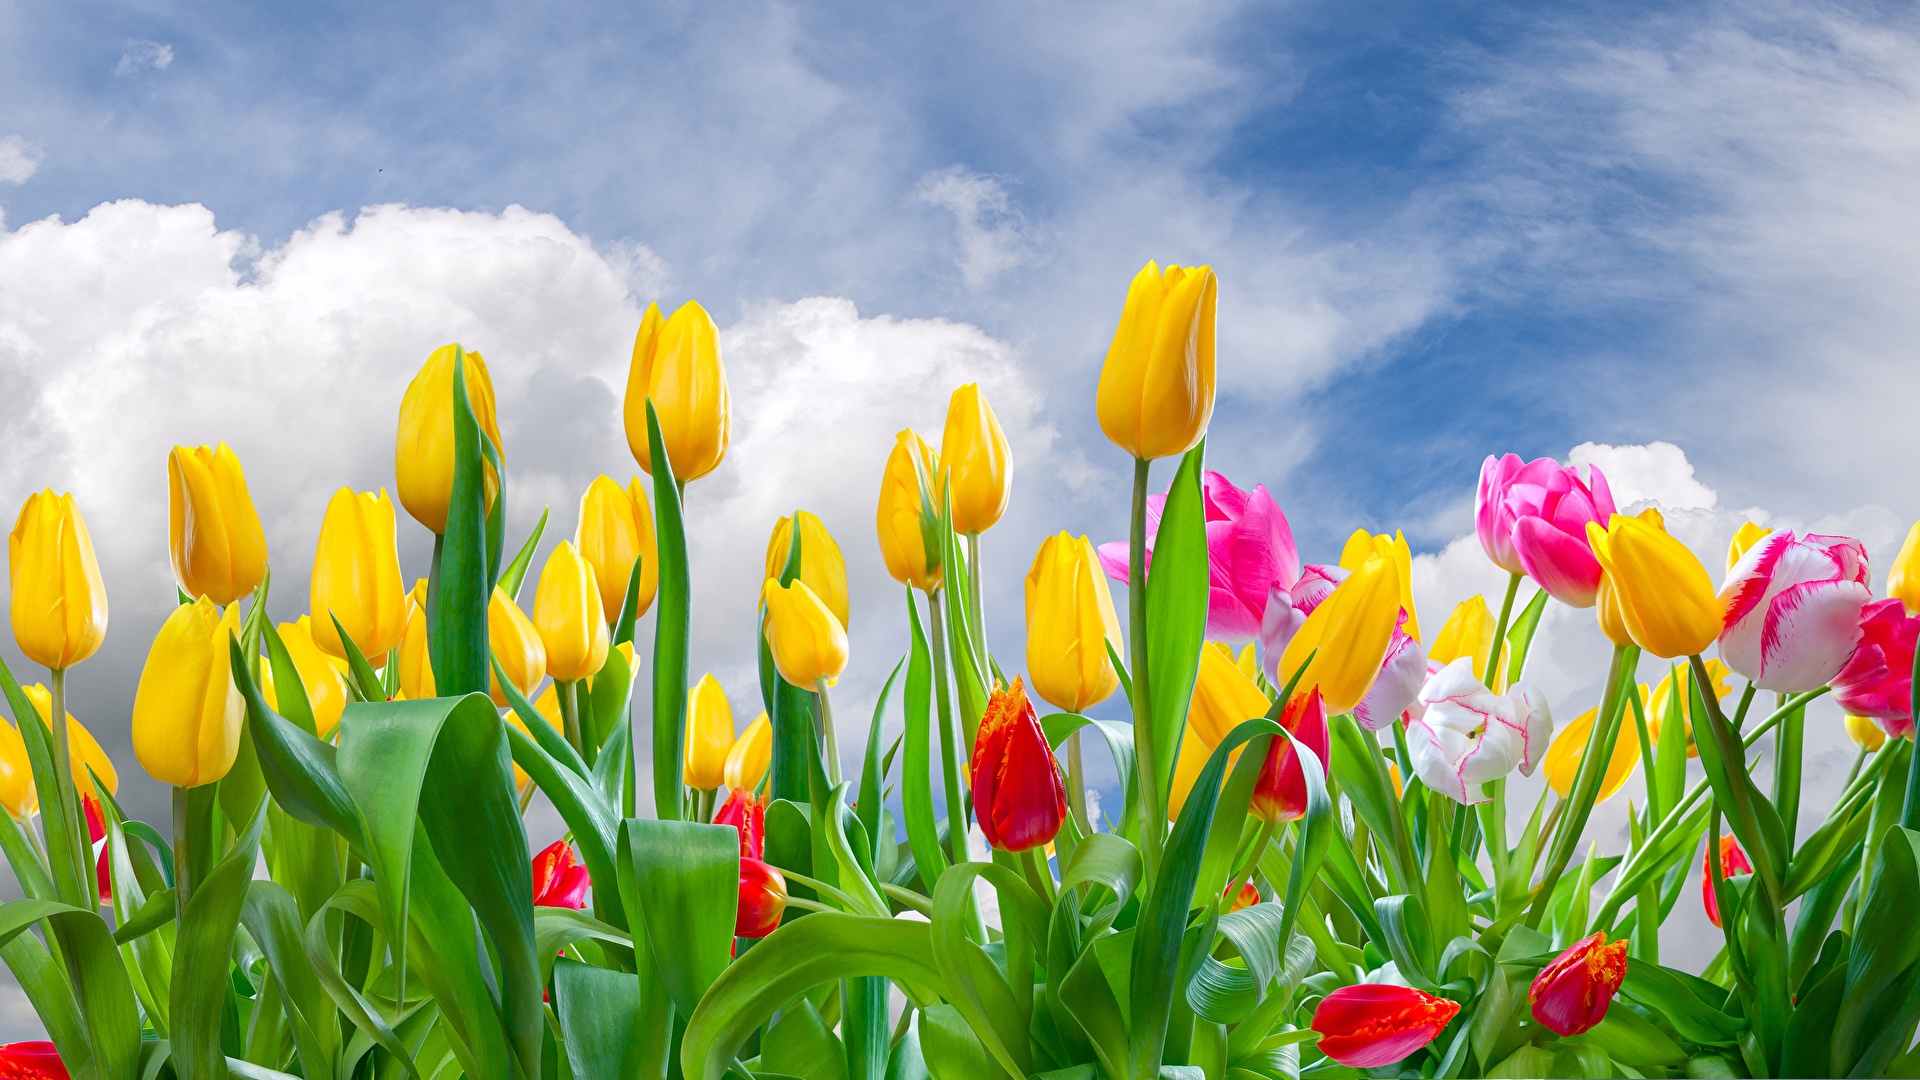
[1721, 678]
[1156, 390]
[807, 641]
[415, 660]
[616, 527]
[1468, 632]
[1192, 758]
[1247, 662]
[1563, 757]
[356, 576]
[516, 644]
[1903, 577]
[911, 556]
[1865, 734]
[979, 470]
[709, 734]
[750, 755]
[1362, 546]
[676, 364]
[59, 602]
[219, 550]
[1747, 535]
[1070, 622]
[83, 749]
[822, 566]
[423, 454]
[186, 711]
[16, 775]
[1663, 594]
[324, 677]
[568, 615]
[1223, 696]
[1351, 629]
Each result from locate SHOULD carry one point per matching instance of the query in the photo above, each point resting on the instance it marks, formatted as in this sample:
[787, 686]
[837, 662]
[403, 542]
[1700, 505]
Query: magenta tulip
[1532, 519]
[1878, 680]
[1793, 610]
[1290, 609]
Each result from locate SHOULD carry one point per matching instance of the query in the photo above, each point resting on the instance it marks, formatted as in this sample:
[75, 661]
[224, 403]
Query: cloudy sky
[1681, 238]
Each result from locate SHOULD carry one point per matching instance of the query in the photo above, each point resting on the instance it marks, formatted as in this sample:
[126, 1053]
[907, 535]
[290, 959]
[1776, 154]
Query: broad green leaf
[952, 1050]
[355, 898]
[1665, 993]
[272, 919]
[99, 981]
[864, 1027]
[591, 820]
[607, 702]
[1886, 943]
[200, 958]
[671, 628]
[799, 1044]
[301, 771]
[687, 882]
[1177, 615]
[916, 769]
[978, 990]
[462, 583]
[596, 1008]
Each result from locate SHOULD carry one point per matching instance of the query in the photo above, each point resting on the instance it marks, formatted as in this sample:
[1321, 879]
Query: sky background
[1680, 238]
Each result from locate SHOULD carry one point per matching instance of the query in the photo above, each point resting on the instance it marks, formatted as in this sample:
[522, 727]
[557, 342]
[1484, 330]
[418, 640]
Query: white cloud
[986, 228]
[19, 159]
[1657, 473]
[142, 56]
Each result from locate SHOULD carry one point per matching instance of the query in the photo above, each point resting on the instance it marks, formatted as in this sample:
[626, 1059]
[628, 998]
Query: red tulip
[746, 812]
[1281, 792]
[102, 866]
[763, 899]
[1571, 994]
[1017, 794]
[1732, 861]
[1248, 897]
[559, 880]
[1373, 1024]
[35, 1060]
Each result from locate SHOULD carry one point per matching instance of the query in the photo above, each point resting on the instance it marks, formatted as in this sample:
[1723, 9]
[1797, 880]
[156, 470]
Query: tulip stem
[1500, 632]
[826, 732]
[1910, 813]
[1594, 761]
[1038, 875]
[78, 862]
[951, 761]
[182, 875]
[976, 606]
[1153, 812]
[1077, 785]
[569, 712]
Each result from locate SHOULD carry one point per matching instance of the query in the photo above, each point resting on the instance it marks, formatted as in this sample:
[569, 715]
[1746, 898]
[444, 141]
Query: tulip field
[1312, 863]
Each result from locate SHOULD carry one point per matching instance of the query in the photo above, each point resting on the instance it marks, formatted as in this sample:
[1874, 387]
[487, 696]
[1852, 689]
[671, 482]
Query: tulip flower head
[1903, 577]
[423, 455]
[102, 861]
[59, 603]
[1532, 519]
[1570, 746]
[323, 676]
[1403, 671]
[1248, 896]
[1571, 994]
[908, 516]
[1018, 797]
[568, 615]
[1467, 632]
[1281, 792]
[1375, 1024]
[1362, 546]
[16, 775]
[1070, 625]
[186, 711]
[1733, 863]
[749, 756]
[356, 576]
[1878, 680]
[414, 657]
[709, 734]
[1664, 597]
[33, 1060]
[747, 813]
[977, 467]
[1862, 730]
[1469, 735]
[85, 751]
[1743, 538]
[219, 550]
[1793, 610]
[616, 527]
[1347, 636]
[808, 643]
[558, 878]
[676, 365]
[1156, 390]
[763, 899]
[822, 566]
[516, 644]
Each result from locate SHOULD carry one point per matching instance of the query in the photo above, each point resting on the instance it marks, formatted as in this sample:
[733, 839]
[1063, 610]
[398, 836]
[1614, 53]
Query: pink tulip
[1878, 680]
[1250, 554]
[1793, 610]
[1532, 519]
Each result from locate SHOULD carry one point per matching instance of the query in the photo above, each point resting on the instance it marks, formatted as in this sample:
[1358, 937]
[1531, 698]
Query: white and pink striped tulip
[1468, 735]
[1792, 610]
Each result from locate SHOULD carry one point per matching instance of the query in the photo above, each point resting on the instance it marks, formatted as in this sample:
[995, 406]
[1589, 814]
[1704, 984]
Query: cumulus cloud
[19, 159]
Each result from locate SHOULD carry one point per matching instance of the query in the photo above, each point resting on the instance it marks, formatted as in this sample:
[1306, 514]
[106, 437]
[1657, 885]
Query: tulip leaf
[201, 952]
[355, 898]
[864, 1026]
[44, 982]
[799, 1044]
[272, 919]
[953, 1050]
[872, 776]
[539, 728]
[671, 629]
[916, 769]
[686, 881]
[596, 1007]
[66, 833]
[364, 681]
[515, 574]
[1059, 727]
[1520, 635]
[606, 702]
[1886, 944]
[99, 980]
[980, 993]
[462, 582]
[300, 770]
[630, 606]
[1177, 589]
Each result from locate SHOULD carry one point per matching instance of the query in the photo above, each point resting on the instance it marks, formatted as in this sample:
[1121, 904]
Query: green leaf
[272, 919]
[1886, 943]
[608, 701]
[98, 978]
[671, 629]
[687, 880]
[364, 681]
[978, 990]
[595, 828]
[629, 607]
[952, 1050]
[864, 1026]
[45, 985]
[200, 957]
[800, 1045]
[1520, 635]
[596, 1008]
[464, 574]
[301, 771]
[1665, 993]
[916, 768]
[516, 572]
[1177, 603]
[356, 898]
[69, 848]
[871, 776]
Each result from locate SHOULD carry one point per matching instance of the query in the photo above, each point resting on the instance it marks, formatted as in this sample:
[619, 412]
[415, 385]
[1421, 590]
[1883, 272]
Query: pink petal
[1561, 564]
[1810, 631]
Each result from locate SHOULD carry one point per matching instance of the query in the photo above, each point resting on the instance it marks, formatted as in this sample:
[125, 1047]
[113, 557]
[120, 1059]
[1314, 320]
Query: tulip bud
[1351, 631]
[356, 576]
[1663, 594]
[1571, 994]
[1070, 624]
[85, 751]
[747, 813]
[1865, 734]
[1248, 896]
[979, 471]
[415, 659]
[1156, 390]
[750, 756]
[325, 677]
[218, 548]
[616, 527]
[186, 711]
[423, 455]
[1018, 798]
[676, 365]
[763, 899]
[1733, 863]
[908, 539]
[558, 878]
[1744, 538]
[1374, 1024]
[1361, 546]
[16, 775]
[568, 615]
[1570, 747]
[1903, 577]
[1468, 632]
[709, 734]
[516, 644]
[807, 641]
[59, 602]
[822, 566]
[1281, 792]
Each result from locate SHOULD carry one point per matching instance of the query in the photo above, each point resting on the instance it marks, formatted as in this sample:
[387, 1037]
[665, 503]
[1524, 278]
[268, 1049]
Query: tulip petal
[1559, 562]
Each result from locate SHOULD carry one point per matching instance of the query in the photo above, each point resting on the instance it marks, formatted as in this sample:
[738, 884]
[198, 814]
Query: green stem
[1153, 818]
[79, 864]
[1586, 785]
[826, 732]
[1077, 785]
[1746, 699]
[976, 606]
[182, 868]
[1788, 742]
[1859, 759]
[1646, 755]
[1500, 630]
[569, 712]
[1038, 876]
[950, 759]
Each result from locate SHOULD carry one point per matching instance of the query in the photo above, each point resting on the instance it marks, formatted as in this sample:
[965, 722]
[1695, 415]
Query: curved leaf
[686, 881]
[670, 630]
[201, 954]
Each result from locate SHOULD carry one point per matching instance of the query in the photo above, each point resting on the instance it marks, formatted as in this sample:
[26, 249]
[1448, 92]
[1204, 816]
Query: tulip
[1468, 632]
[1793, 610]
[356, 576]
[676, 365]
[908, 541]
[1571, 994]
[1281, 792]
[763, 899]
[16, 775]
[1878, 680]
[1252, 561]
[568, 616]
[1570, 747]
[1289, 610]
[979, 470]
[1903, 577]
[1469, 735]
[1374, 1024]
[709, 734]
[1223, 696]
[1733, 862]
[1743, 538]
[1362, 546]
[1248, 896]
[1862, 730]
[1403, 672]
[516, 644]
[97, 835]
[1156, 390]
[616, 527]
[1070, 626]
[1347, 636]
[186, 710]
[423, 454]
[1018, 797]
[1668, 693]
[808, 643]
[218, 548]
[749, 756]
[85, 750]
[1665, 599]
[415, 659]
[323, 677]
[34, 1060]
[1532, 519]
[1187, 764]
[822, 566]
[747, 813]
[558, 878]
[59, 603]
